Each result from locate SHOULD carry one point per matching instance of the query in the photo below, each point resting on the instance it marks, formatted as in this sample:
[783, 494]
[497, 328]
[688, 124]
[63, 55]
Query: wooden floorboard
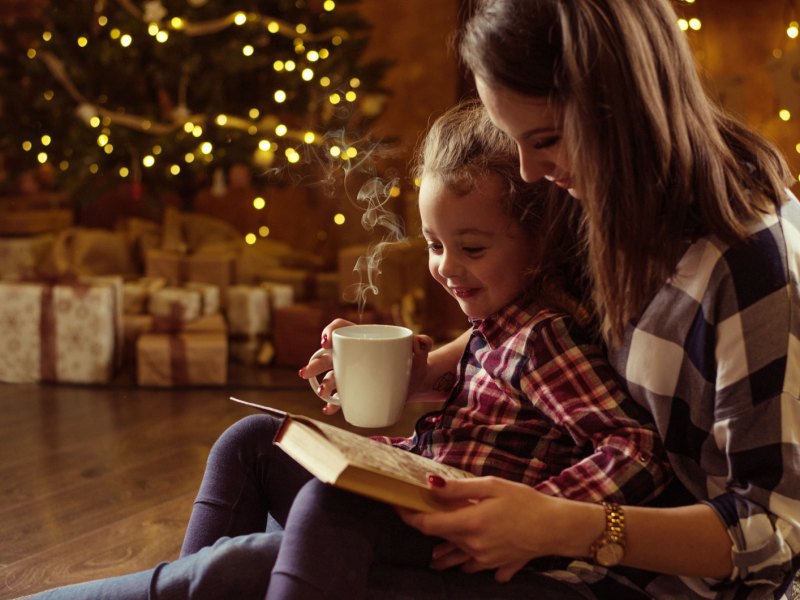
[99, 481]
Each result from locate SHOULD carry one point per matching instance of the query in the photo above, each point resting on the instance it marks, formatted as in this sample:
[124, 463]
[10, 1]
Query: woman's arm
[688, 540]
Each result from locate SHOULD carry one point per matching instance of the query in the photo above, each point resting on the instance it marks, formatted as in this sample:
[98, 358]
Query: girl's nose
[449, 266]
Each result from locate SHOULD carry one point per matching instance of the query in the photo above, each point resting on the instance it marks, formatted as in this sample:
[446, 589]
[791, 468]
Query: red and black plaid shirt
[535, 401]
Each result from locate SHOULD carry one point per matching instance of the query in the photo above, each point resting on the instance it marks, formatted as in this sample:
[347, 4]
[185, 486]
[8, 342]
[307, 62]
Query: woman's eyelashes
[546, 142]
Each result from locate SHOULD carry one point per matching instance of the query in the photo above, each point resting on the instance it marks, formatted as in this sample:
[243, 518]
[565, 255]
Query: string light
[339, 219]
[793, 30]
[176, 123]
[250, 239]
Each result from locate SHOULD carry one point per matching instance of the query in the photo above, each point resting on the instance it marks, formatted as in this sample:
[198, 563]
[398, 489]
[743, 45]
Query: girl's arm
[437, 377]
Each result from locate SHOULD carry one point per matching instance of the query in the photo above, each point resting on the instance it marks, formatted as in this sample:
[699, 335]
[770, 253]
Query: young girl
[534, 401]
[694, 257]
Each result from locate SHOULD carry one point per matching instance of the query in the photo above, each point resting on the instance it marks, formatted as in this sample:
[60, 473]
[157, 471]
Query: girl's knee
[246, 436]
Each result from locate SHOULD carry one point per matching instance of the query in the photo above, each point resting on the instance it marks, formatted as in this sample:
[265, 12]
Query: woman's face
[536, 128]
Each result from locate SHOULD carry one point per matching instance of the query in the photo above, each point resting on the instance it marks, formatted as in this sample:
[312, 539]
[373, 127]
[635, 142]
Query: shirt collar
[498, 327]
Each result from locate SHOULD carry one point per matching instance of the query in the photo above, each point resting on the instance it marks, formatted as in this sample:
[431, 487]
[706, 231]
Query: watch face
[609, 554]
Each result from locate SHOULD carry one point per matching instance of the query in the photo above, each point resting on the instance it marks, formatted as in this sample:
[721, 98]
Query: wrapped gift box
[21, 256]
[176, 302]
[296, 329]
[68, 332]
[136, 294]
[182, 359]
[300, 280]
[163, 264]
[279, 294]
[209, 296]
[216, 268]
[399, 268]
[247, 309]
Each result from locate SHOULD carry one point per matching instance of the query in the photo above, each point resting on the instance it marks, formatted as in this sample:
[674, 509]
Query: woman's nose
[532, 168]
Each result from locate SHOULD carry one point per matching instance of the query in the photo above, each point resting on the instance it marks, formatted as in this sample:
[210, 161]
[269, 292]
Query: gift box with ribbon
[247, 309]
[21, 256]
[176, 353]
[216, 268]
[67, 329]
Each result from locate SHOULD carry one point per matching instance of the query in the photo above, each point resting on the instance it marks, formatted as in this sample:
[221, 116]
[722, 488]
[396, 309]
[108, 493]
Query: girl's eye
[473, 250]
[546, 143]
[434, 248]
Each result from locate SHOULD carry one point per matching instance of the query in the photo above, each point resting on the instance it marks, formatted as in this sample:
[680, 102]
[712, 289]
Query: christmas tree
[167, 95]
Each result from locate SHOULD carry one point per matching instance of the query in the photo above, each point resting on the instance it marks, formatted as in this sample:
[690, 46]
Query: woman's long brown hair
[657, 162]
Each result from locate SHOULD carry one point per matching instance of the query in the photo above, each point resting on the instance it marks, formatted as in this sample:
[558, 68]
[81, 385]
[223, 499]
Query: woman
[694, 252]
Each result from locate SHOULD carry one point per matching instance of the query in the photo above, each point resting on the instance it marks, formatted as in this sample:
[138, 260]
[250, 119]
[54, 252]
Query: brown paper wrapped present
[68, 331]
[182, 359]
[35, 213]
[89, 251]
[215, 268]
[137, 293]
[307, 285]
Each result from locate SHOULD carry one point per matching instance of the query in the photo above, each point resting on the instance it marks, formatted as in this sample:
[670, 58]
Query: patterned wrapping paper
[176, 302]
[69, 332]
[280, 294]
[247, 309]
[21, 256]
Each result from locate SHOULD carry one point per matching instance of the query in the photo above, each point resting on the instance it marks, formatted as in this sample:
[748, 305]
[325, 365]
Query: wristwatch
[609, 548]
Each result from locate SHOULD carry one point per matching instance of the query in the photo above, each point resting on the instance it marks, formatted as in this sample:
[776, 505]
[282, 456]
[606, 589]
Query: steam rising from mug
[372, 200]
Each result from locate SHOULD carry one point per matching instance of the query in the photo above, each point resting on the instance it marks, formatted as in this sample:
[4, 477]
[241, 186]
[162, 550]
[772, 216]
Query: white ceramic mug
[372, 365]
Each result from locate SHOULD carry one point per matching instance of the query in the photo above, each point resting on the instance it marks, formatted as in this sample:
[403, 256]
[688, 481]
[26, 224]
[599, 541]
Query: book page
[382, 458]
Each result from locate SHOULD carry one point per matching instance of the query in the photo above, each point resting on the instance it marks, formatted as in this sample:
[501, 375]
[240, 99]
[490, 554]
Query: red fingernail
[323, 340]
[436, 481]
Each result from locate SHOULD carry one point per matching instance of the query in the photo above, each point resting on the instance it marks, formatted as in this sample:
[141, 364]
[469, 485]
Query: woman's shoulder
[766, 260]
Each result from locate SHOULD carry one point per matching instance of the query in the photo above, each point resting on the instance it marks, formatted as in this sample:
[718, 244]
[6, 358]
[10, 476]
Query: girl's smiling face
[535, 127]
[476, 251]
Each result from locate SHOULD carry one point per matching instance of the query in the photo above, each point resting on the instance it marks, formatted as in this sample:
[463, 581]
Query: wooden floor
[99, 481]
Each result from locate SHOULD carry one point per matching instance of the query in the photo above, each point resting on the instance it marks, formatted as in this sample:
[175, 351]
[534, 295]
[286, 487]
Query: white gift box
[247, 309]
[179, 303]
[67, 332]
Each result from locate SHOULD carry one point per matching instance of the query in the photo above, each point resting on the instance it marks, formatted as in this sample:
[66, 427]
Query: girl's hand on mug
[421, 347]
[321, 364]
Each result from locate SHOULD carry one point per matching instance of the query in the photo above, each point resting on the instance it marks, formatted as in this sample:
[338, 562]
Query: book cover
[359, 464]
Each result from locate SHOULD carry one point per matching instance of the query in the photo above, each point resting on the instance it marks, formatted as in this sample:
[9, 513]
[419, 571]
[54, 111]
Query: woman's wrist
[575, 527]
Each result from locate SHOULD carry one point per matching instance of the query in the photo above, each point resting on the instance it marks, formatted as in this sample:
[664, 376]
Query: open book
[358, 464]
